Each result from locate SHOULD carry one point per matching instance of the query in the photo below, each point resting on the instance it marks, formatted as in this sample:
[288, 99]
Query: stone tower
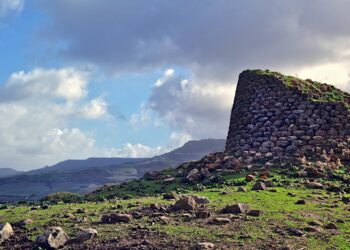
[276, 116]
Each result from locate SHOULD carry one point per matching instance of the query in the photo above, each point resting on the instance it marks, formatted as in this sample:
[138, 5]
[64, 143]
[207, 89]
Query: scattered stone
[315, 223]
[120, 218]
[186, 203]
[6, 231]
[136, 215]
[200, 199]
[220, 221]
[53, 238]
[204, 246]
[331, 226]
[249, 177]
[255, 213]
[345, 200]
[295, 232]
[169, 180]
[314, 185]
[300, 202]
[202, 214]
[169, 196]
[241, 189]
[23, 223]
[80, 211]
[45, 206]
[186, 216]
[259, 185]
[235, 209]
[164, 219]
[69, 216]
[86, 234]
[291, 194]
[312, 229]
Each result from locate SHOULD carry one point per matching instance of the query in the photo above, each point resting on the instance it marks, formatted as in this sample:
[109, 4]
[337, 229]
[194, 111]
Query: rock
[86, 234]
[241, 189]
[23, 223]
[53, 238]
[169, 196]
[219, 221]
[80, 211]
[315, 223]
[202, 214]
[105, 218]
[193, 175]
[300, 202]
[334, 189]
[345, 200]
[136, 215]
[235, 209]
[120, 218]
[69, 215]
[312, 229]
[249, 177]
[186, 203]
[259, 185]
[164, 219]
[255, 213]
[45, 206]
[295, 232]
[169, 180]
[200, 199]
[6, 231]
[204, 246]
[331, 226]
[314, 185]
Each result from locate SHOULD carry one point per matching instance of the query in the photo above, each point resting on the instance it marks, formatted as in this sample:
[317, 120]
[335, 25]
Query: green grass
[316, 91]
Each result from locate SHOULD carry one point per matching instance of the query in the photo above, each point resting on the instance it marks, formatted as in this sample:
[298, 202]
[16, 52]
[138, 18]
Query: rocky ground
[249, 210]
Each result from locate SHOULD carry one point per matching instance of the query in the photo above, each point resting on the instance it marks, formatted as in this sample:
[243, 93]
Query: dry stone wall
[271, 119]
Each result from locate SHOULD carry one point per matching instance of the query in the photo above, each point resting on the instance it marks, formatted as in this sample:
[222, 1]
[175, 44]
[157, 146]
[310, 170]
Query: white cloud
[8, 6]
[37, 108]
[67, 83]
[95, 109]
[193, 108]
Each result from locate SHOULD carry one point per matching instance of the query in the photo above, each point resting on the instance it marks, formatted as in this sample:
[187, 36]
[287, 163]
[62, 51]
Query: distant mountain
[6, 172]
[82, 176]
[75, 165]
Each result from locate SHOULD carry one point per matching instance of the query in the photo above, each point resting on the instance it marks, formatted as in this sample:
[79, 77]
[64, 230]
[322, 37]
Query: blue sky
[139, 78]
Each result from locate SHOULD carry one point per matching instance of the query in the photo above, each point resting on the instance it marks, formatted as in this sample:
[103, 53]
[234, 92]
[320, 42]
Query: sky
[131, 78]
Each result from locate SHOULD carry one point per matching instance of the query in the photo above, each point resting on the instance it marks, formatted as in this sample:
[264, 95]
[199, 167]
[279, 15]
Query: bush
[65, 197]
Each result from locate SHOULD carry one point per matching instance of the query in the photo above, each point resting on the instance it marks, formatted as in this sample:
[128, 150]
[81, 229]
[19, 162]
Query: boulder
[249, 177]
[235, 209]
[331, 226]
[202, 214]
[6, 231]
[86, 234]
[186, 203]
[53, 238]
[23, 223]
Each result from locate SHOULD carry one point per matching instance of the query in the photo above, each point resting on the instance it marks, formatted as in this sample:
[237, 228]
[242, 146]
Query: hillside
[82, 176]
[5, 172]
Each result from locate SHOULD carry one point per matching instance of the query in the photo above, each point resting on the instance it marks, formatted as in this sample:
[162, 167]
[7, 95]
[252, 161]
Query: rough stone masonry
[275, 116]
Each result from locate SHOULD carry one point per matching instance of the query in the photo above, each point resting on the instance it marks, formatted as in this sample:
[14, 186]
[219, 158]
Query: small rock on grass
[220, 221]
[6, 231]
[235, 209]
[204, 246]
[86, 234]
[331, 226]
[53, 238]
[255, 213]
[186, 203]
[300, 202]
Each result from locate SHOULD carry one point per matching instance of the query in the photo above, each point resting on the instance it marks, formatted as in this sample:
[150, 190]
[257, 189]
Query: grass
[316, 91]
